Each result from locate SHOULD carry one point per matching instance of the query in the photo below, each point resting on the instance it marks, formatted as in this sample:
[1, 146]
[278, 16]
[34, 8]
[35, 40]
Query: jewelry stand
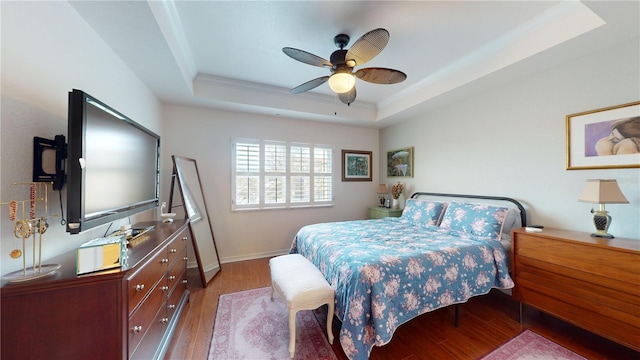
[30, 226]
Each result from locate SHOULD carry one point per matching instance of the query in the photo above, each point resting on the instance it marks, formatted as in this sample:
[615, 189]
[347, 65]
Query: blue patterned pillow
[480, 220]
[423, 213]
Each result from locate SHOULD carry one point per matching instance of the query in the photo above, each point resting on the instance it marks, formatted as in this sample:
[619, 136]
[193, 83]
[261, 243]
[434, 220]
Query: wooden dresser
[590, 282]
[127, 313]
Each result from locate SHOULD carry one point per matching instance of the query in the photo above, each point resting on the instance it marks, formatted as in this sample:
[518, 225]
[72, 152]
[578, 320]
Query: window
[272, 174]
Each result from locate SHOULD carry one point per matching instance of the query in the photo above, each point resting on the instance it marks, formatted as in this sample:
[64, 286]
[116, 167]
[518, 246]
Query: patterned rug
[531, 346]
[249, 325]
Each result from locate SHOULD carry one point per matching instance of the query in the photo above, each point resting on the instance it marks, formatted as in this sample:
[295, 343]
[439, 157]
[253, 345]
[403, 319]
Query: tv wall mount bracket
[59, 145]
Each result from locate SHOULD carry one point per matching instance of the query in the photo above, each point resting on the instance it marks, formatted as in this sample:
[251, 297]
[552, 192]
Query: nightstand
[378, 212]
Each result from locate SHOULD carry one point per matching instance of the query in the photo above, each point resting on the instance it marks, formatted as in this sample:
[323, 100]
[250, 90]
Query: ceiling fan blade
[348, 97]
[305, 57]
[367, 47]
[381, 75]
[309, 85]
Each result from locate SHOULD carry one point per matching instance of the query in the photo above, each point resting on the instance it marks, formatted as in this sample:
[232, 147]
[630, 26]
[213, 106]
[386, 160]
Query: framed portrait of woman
[607, 138]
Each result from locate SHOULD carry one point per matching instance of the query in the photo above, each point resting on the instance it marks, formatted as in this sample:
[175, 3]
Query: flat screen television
[113, 164]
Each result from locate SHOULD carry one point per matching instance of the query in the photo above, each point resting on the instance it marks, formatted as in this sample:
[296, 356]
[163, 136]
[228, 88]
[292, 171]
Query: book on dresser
[125, 313]
[591, 282]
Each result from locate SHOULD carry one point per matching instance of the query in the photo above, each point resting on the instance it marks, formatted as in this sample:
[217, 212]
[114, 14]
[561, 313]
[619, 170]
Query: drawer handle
[164, 261]
[139, 287]
[185, 258]
[184, 281]
[172, 277]
[165, 320]
[137, 329]
[173, 251]
[184, 238]
[172, 306]
[165, 288]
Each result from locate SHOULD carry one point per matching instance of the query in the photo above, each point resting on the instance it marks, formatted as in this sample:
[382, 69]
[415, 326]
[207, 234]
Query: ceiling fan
[342, 80]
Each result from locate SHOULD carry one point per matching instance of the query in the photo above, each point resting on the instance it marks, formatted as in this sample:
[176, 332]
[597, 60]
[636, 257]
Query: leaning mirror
[185, 173]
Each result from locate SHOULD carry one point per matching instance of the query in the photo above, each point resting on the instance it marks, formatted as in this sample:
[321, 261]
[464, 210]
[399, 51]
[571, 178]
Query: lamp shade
[382, 189]
[341, 82]
[601, 191]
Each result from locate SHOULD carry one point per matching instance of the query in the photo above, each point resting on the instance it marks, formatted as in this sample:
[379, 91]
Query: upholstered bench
[303, 287]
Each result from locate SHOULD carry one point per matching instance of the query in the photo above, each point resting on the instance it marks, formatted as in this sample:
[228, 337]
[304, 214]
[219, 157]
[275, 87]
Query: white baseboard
[230, 259]
[253, 256]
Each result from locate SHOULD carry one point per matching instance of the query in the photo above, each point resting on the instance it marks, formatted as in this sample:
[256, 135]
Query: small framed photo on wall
[607, 138]
[400, 162]
[356, 165]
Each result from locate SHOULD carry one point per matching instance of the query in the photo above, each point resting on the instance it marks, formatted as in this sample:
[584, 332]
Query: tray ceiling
[228, 54]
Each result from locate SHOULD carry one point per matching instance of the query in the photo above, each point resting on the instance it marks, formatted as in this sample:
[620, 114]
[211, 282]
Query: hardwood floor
[486, 322]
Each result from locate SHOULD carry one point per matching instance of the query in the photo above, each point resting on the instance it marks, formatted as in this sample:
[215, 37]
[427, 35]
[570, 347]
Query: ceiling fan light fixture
[342, 62]
[342, 82]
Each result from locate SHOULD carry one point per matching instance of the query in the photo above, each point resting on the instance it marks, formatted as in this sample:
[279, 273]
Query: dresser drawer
[602, 320]
[175, 248]
[141, 320]
[145, 279]
[603, 300]
[148, 345]
[176, 270]
[176, 295]
[606, 263]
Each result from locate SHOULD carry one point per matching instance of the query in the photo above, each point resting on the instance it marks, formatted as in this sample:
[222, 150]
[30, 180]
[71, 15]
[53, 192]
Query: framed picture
[400, 162]
[356, 165]
[607, 138]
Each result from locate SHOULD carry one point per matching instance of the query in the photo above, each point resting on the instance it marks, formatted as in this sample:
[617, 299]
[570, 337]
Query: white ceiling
[228, 54]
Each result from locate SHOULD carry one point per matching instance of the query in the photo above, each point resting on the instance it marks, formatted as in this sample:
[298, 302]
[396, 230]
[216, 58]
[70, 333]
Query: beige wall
[48, 50]
[206, 136]
[510, 141]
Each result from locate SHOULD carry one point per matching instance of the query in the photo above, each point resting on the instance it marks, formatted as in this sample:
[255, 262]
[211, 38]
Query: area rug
[249, 325]
[531, 346]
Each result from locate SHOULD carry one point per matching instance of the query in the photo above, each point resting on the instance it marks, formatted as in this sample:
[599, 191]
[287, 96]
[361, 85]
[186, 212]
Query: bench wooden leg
[330, 321]
[292, 333]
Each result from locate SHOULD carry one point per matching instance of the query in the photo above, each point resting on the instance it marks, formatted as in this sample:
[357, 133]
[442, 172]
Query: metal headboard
[523, 212]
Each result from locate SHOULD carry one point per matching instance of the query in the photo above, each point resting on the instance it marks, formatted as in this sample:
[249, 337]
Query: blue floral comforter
[387, 271]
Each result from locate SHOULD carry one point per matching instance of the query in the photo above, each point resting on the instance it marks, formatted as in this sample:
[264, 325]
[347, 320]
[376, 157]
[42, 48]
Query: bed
[443, 250]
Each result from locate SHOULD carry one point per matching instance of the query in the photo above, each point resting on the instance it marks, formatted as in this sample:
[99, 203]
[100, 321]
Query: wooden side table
[379, 212]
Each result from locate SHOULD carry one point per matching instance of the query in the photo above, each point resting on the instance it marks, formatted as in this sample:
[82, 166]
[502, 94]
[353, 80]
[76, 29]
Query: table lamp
[601, 191]
[382, 191]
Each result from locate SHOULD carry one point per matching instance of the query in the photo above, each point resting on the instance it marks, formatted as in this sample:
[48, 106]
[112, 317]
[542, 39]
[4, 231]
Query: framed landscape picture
[400, 162]
[607, 138]
[356, 165]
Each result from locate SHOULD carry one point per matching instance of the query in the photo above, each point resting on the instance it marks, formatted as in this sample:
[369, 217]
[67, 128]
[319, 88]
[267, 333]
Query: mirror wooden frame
[194, 207]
